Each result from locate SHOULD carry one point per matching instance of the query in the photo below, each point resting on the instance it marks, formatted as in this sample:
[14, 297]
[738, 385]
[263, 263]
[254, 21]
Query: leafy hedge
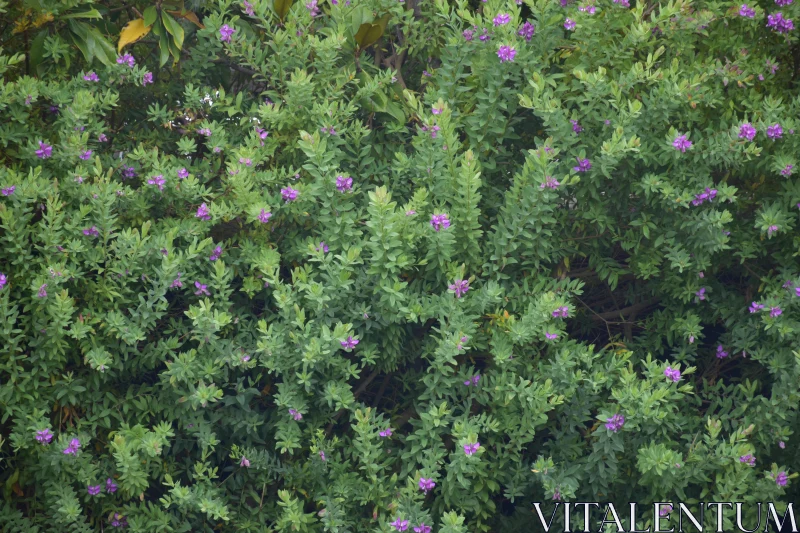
[370, 265]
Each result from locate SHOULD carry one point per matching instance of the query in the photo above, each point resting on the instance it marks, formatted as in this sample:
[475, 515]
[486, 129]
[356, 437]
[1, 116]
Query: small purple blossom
[73, 447]
[615, 423]
[576, 127]
[665, 511]
[91, 232]
[470, 449]
[8, 191]
[176, 282]
[322, 455]
[460, 287]
[526, 31]
[44, 151]
[775, 312]
[128, 172]
[147, 78]
[386, 433]
[701, 294]
[485, 36]
[426, 485]
[468, 34]
[755, 307]
[119, 521]
[787, 170]
[781, 479]
[225, 33]
[111, 487]
[772, 229]
[775, 131]
[782, 445]
[549, 183]
[681, 143]
[295, 414]
[248, 8]
[42, 291]
[440, 222]
[473, 381]
[673, 374]
[183, 174]
[349, 343]
[550, 336]
[779, 24]
[561, 312]
[721, 353]
[747, 131]
[400, 525]
[44, 436]
[748, 459]
[288, 194]
[201, 289]
[584, 165]
[202, 212]
[322, 246]
[126, 59]
[215, 254]
[344, 184]
[244, 462]
[436, 110]
[707, 195]
[3, 280]
[748, 12]
[85, 156]
[93, 490]
[91, 77]
[158, 181]
[312, 8]
[422, 528]
[264, 216]
[501, 19]
[569, 24]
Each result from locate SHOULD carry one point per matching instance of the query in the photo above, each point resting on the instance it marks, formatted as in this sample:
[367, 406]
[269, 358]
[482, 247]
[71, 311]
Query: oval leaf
[282, 7]
[173, 28]
[150, 15]
[369, 33]
[132, 32]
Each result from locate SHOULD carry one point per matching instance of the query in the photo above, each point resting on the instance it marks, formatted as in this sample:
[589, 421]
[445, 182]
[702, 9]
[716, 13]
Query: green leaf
[91, 14]
[37, 49]
[369, 33]
[150, 15]
[282, 8]
[163, 48]
[175, 29]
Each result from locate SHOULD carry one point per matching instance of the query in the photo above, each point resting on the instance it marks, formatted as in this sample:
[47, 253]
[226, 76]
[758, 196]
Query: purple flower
[470, 449]
[748, 459]
[665, 510]
[755, 307]
[201, 289]
[386, 432]
[204, 131]
[748, 12]
[216, 254]
[322, 246]
[707, 195]
[485, 37]
[44, 436]
[701, 294]
[549, 183]
[681, 143]
[400, 525]
[473, 380]
[344, 184]
[246, 161]
[775, 312]
[111, 486]
[176, 282]
[783, 3]
[264, 216]
[73, 447]
[782, 445]
[8, 191]
[313, 10]
[721, 353]
[147, 78]
[426, 485]
[460, 287]
[468, 35]
[91, 77]
[91, 232]
[225, 33]
[263, 134]
[502, 18]
[440, 222]
[85, 156]
[796, 289]
[288, 194]
[128, 172]
[349, 343]
[295, 414]
[787, 170]
[248, 8]
[772, 229]
[576, 127]
[422, 528]
[561, 312]
[584, 165]
[615, 423]
[779, 24]
[781, 479]
[673, 374]
[127, 59]
[436, 110]
[158, 181]
[42, 292]
[44, 151]
[775, 131]
[4, 280]
[527, 30]
[569, 24]
[183, 174]
[93, 490]
[747, 131]
[202, 212]
[244, 462]
[550, 336]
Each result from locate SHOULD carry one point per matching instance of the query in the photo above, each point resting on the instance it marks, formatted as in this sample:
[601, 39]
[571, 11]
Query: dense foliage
[369, 265]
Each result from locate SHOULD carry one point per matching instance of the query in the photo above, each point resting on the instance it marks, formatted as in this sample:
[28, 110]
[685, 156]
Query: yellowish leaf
[188, 15]
[132, 32]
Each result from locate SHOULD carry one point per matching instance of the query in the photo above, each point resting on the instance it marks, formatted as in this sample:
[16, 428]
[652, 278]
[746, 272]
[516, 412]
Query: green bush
[371, 265]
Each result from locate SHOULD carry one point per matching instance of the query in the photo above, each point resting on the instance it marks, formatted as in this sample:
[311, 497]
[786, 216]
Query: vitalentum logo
[703, 517]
